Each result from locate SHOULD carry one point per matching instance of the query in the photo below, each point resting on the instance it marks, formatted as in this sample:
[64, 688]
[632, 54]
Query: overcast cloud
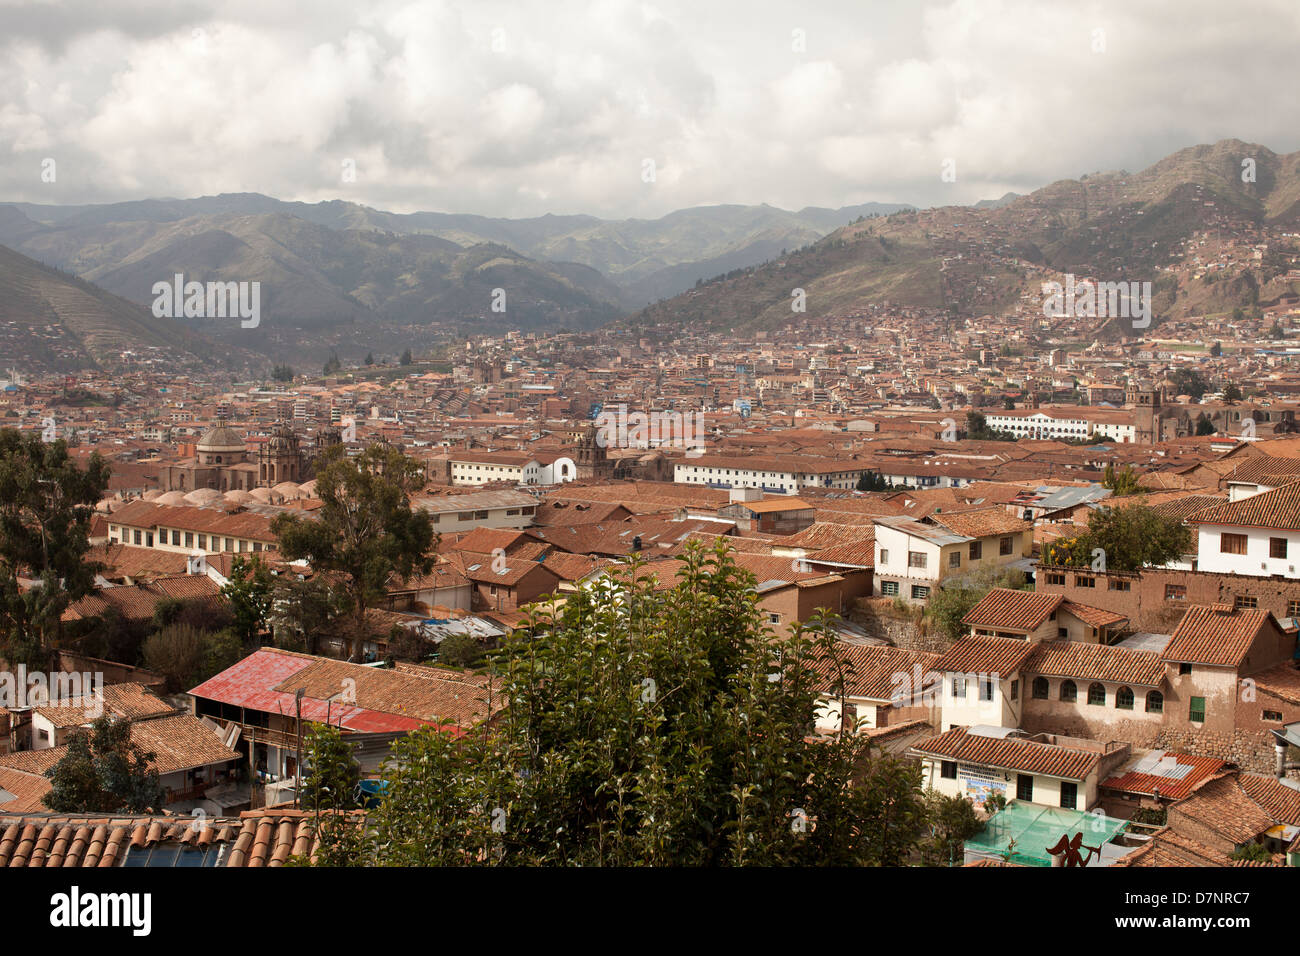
[556, 106]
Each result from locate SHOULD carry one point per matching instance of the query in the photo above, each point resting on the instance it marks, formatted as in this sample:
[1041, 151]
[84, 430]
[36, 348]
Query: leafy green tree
[1129, 538]
[651, 727]
[333, 771]
[406, 357]
[1252, 853]
[1122, 483]
[461, 650]
[1204, 426]
[46, 503]
[952, 821]
[305, 611]
[872, 481]
[365, 531]
[1232, 394]
[332, 365]
[370, 358]
[1188, 381]
[103, 772]
[250, 591]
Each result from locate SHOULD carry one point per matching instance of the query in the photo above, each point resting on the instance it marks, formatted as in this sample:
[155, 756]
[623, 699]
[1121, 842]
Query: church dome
[221, 440]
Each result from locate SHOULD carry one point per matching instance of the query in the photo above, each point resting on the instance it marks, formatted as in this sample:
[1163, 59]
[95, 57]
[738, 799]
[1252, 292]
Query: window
[954, 559]
[1063, 632]
[986, 689]
[1273, 715]
[884, 555]
[1069, 795]
[959, 687]
[976, 550]
[1054, 579]
[1069, 693]
[1124, 699]
[1196, 710]
[1184, 669]
[948, 769]
[1248, 601]
[1004, 545]
[1232, 543]
[1085, 581]
[137, 537]
[189, 539]
[1155, 702]
[1175, 592]
[1115, 584]
[889, 588]
[920, 592]
[1277, 547]
[1015, 690]
[1041, 688]
[1025, 787]
[773, 617]
[1097, 694]
[916, 559]
[1293, 608]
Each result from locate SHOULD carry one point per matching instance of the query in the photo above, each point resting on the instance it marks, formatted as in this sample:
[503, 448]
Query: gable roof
[1277, 510]
[1013, 609]
[1099, 662]
[1216, 634]
[1008, 753]
[985, 655]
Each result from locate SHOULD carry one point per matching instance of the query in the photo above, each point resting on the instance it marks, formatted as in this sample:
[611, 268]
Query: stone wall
[882, 619]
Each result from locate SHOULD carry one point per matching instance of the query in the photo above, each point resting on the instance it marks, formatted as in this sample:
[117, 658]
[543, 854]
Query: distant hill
[337, 261]
[977, 259]
[51, 322]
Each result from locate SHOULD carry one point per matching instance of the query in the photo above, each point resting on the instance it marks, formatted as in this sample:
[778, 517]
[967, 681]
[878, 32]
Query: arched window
[1069, 692]
[1124, 699]
[1041, 688]
[1155, 702]
[1097, 693]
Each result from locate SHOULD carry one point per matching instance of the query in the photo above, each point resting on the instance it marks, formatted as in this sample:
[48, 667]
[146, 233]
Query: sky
[618, 108]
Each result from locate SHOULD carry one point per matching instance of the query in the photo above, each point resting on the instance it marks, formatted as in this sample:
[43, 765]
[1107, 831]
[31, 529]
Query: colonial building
[222, 462]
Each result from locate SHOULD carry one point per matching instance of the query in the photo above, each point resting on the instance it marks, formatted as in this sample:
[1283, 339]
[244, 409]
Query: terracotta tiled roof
[1216, 634]
[256, 838]
[1275, 798]
[880, 672]
[178, 742]
[1006, 608]
[1092, 616]
[985, 655]
[21, 792]
[982, 523]
[1025, 756]
[1281, 680]
[1167, 848]
[1224, 807]
[1203, 770]
[1277, 509]
[132, 701]
[1080, 661]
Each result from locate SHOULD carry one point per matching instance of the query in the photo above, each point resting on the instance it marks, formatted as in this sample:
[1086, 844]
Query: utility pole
[297, 767]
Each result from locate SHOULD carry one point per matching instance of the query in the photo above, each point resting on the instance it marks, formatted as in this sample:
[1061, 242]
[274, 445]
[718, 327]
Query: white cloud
[505, 109]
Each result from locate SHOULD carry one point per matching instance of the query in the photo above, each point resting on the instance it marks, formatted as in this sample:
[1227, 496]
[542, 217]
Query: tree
[461, 650]
[406, 357]
[952, 821]
[370, 358]
[1188, 381]
[1122, 483]
[872, 481]
[46, 503]
[954, 598]
[176, 652]
[1232, 394]
[332, 364]
[250, 591]
[333, 774]
[282, 373]
[305, 611]
[1128, 538]
[365, 530]
[1204, 426]
[1252, 853]
[103, 772]
[1216, 350]
[652, 726]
